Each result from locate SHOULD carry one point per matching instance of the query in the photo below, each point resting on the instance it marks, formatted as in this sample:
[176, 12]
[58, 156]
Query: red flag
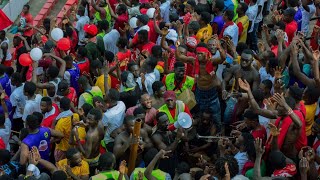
[5, 21]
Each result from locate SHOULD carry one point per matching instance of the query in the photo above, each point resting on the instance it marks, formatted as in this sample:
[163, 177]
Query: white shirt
[9, 56]
[265, 75]
[150, 79]
[110, 41]
[6, 132]
[113, 119]
[79, 26]
[19, 100]
[32, 105]
[259, 16]
[252, 15]
[306, 16]
[233, 32]
[241, 158]
[165, 11]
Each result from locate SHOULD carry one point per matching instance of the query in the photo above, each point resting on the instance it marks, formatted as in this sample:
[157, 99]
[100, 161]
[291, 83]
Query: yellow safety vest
[97, 16]
[179, 108]
[158, 174]
[106, 175]
[187, 84]
[94, 92]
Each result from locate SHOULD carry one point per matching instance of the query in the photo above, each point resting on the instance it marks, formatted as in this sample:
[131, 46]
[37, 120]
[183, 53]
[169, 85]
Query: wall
[14, 8]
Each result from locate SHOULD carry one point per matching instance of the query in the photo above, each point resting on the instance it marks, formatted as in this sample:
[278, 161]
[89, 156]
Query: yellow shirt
[244, 20]
[310, 113]
[100, 83]
[205, 32]
[82, 170]
[64, 126]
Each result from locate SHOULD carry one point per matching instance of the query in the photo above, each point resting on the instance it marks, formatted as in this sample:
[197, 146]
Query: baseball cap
[169, 95]
[48, 46]
[62, 87]
[150, 12]
[172, 35]
[191, 42]
[90, 29]
[133, 22]
[143, 19]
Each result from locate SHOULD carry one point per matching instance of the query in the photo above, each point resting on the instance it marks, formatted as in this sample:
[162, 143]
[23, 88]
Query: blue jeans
[209, 100]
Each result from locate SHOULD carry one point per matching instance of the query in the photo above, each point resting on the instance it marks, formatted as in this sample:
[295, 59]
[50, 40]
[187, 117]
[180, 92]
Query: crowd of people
[105, 100]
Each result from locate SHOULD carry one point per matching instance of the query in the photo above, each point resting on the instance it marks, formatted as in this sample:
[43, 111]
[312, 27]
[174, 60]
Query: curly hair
[232, 163]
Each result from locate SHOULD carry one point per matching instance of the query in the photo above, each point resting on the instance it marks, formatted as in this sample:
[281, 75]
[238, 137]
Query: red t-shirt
[27, 18]
[72, 96]
[47, 122]
[189, 66]
[153, 36]
[84, 66]
[148, 46]
[2, 145]
[186, 110]
[120, 21]
[291, 29]
[124, 59]
[260, 133]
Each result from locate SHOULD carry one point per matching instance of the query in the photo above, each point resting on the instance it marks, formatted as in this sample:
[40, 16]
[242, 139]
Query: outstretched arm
[161, 154]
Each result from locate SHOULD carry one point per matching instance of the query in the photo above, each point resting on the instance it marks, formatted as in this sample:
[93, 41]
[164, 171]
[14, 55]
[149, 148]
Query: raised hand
[259, 147]
[304, 166]
[164, 31]
[163, 154]
[123, 167]
[244, 84]
[279, 99]
[274, 131]
[278, 72]
[316, 55]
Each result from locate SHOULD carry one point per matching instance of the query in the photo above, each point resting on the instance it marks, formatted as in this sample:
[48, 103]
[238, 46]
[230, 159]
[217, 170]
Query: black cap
[62, 87]
[48, 46]
[143, 19]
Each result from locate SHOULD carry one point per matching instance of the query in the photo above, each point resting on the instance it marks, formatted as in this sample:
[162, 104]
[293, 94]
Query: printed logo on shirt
[43, 145]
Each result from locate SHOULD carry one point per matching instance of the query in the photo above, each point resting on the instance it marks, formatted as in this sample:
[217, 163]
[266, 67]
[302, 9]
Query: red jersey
[153, 36]
[260, 133]
[47, 122]
[120, 21]
[124, 58]
[26, 19]
[291, 29]
[84, 66]
[72, 96]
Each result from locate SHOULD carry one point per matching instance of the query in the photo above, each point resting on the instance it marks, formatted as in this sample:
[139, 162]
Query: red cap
[143, 11]
[44, 39]
[90, 29]
[169, 95]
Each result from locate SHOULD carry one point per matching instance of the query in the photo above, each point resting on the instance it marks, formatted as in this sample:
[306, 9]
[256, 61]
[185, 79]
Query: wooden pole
[134, 147]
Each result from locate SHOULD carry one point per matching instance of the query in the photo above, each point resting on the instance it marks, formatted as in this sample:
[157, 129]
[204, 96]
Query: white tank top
[9, 56]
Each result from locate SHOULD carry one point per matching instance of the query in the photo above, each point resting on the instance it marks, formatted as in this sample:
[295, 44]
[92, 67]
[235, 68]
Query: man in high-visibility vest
[102, 11]
[178, 81]
[151, 159]
[107, 162]
[173, 107]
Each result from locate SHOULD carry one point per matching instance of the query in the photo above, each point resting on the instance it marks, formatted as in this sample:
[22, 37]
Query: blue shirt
[41, 140]
[5, 83]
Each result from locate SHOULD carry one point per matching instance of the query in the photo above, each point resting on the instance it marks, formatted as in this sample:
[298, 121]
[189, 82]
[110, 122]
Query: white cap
[172, 35]
[150, 12]
[133, 22]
